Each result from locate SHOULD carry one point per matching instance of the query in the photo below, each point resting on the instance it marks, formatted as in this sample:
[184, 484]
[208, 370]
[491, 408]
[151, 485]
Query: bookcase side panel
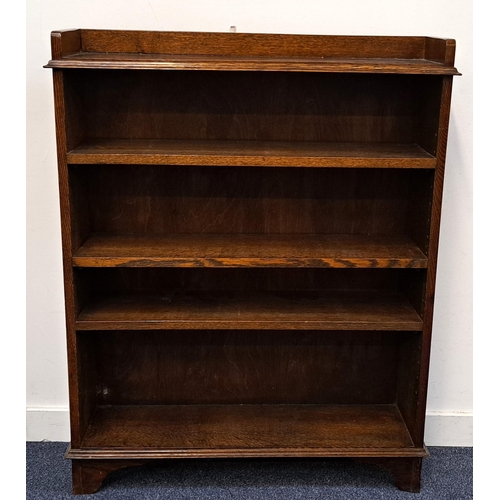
[418, 427]
[66, 232]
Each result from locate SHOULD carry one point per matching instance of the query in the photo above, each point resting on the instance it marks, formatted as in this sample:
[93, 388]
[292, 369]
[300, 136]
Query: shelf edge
[407, 326]
[368, 263]
[110, 453]
[215, 65]
[76, 158]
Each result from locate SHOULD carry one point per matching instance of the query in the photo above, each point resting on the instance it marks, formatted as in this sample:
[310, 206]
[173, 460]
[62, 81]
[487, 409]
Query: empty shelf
[249, 310]
[249, 250]
[162, 431]
[251, 153]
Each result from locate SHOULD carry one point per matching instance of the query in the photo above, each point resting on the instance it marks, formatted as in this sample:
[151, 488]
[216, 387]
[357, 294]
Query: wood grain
[246, 51]
[249, 250]
[256, 44]
[315, 341]
[440, 50]
[410, 350]
[91, 60]
[148, 200]
[240, 310]
[65, 42]
[291, 107]
[251, 153]
[418, 422]
[247, 430]
[207, 367]
[80, 403]
[88, 475]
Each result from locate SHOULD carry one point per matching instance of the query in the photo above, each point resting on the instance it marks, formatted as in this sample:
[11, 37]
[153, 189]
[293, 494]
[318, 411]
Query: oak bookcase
[250, 230]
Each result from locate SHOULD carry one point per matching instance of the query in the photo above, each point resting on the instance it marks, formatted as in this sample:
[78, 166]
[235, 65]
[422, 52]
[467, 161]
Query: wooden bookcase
[250, 230]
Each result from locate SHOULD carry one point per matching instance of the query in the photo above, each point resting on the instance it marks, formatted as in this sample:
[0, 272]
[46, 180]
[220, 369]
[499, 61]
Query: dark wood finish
[223, 63]
[251, 153]
[430, 284]
[250, 248]
[249, 430]
[410, 349]
[88, 475]
[406, 471]
[147, 200]
[239, 310]
[87, 369]
[440, 50]
[256, 52]
[244, 366]
[65, 43]
[206, 279]
[246, 44]
[79, 412]
[419, 210]
[381, 111]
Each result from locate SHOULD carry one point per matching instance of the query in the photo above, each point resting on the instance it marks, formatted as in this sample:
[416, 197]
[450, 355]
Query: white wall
[450, 391]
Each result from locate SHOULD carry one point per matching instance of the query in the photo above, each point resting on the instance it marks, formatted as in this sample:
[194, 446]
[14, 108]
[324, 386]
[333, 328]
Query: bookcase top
[118, 49]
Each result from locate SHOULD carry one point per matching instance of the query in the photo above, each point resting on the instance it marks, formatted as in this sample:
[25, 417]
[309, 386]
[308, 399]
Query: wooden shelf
[96, 60]
[247, 431]
[249, 310]
[110, 49]
[251, 153]
[249, 250]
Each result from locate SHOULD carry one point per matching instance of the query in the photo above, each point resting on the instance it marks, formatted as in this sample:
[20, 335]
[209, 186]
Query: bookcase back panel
[158, 280]
[162, 200]
[275, 106]
[191, 367]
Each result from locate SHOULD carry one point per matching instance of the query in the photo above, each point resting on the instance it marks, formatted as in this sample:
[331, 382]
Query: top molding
[116, 49]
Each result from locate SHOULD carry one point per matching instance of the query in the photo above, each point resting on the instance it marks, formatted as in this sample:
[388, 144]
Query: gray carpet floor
[447, 474]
